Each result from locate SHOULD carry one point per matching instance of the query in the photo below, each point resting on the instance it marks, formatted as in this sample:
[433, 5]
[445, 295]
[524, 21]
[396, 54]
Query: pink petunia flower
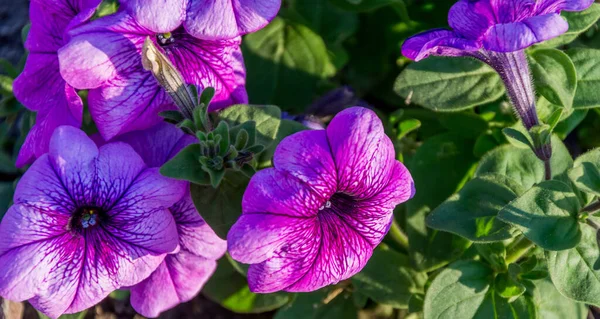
[315, 218]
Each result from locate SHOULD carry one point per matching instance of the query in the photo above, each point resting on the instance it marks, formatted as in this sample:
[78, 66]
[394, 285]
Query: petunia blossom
[104, 56]
[481, 26]
[204, 19]
[85, 221]
[315, 218]
[497, 32]
[180, 276]
[40, 86]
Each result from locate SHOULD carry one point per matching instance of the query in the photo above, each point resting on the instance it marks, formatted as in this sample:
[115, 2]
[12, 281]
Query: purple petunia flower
[180, 276]
[315, 218]
[104, 56]
[204, 19]
[86, 221]
[496, 32]
[40, 87]
[494, 26]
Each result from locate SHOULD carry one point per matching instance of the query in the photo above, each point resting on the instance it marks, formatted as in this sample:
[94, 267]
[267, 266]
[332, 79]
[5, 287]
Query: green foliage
[586, 172]
[588, 78]
[579, 22]
[554, 76]
[449, 84]
[388, 279]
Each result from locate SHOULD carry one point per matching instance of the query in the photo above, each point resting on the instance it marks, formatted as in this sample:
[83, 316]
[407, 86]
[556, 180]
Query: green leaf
[579, 22]
[518, 137]
[522, 165]
[286, 128]
[186, 166]
[588, 77]
[554, 76]
[284, 62]
[6, 85]
[447, 158]
[407, 126]
[576, 272]
[221, 207]
[568, 121]
[319, 305]
[364, 5]
[458, 291]
[507, 287]
[449, 84]
[585, 173]
[267, 120]
[388, 279]
[553, 305]
[79, 315]
[230, 289]
[471, 213]
[547, 214]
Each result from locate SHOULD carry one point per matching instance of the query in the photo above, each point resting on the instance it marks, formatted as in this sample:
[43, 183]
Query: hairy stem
[592, 207]
[548, 169]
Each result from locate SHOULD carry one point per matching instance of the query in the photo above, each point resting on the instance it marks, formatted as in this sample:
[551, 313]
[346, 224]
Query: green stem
[548, 170]
[398, 235]
[518, 250]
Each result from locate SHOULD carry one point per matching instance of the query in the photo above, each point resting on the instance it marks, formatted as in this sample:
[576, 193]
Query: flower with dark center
[104, 56]
[315, 218]
[85, 221]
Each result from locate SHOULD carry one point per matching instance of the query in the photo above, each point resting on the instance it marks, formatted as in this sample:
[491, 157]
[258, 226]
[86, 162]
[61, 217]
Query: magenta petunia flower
[204, 19]
[494, 25]
[104, 56]
[315, 218]
[85, 221]
[40, 87]
[180, 276]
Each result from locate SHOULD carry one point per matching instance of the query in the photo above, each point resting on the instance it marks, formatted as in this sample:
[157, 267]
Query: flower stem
[592, 207]
[548, 169]
[518, 249]
[398, 235]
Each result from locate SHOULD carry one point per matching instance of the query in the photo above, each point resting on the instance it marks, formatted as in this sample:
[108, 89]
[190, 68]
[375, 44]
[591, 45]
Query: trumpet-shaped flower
[204, 19]
[104, 56]
[181, 275]
[315, 218]
[85, 221]
[496, 32]
[40, 87]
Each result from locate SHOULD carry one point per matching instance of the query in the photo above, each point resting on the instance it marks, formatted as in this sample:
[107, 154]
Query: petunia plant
[302, 159]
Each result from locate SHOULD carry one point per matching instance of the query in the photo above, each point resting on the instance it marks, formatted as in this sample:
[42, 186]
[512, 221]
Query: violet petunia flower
[204, 19]
[180, 276]
[40, 87]
[86, 221]
[104, 56]
[315, 218]
[496, 32]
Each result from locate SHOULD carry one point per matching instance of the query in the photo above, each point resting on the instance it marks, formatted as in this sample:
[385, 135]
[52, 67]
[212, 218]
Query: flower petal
[520, 35]
[178, 279]
[276, 192]
[160, 16]
[255, 237]
[312, 258]
[471, 19]
[157, 144]
[73, 159]
[195, 235]
[363, 154]
[437, 42]
[307, 157]
[400, 188]
[217, 64]
[141, 217]
[507, 11]
[555, 6]
[226, 19]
